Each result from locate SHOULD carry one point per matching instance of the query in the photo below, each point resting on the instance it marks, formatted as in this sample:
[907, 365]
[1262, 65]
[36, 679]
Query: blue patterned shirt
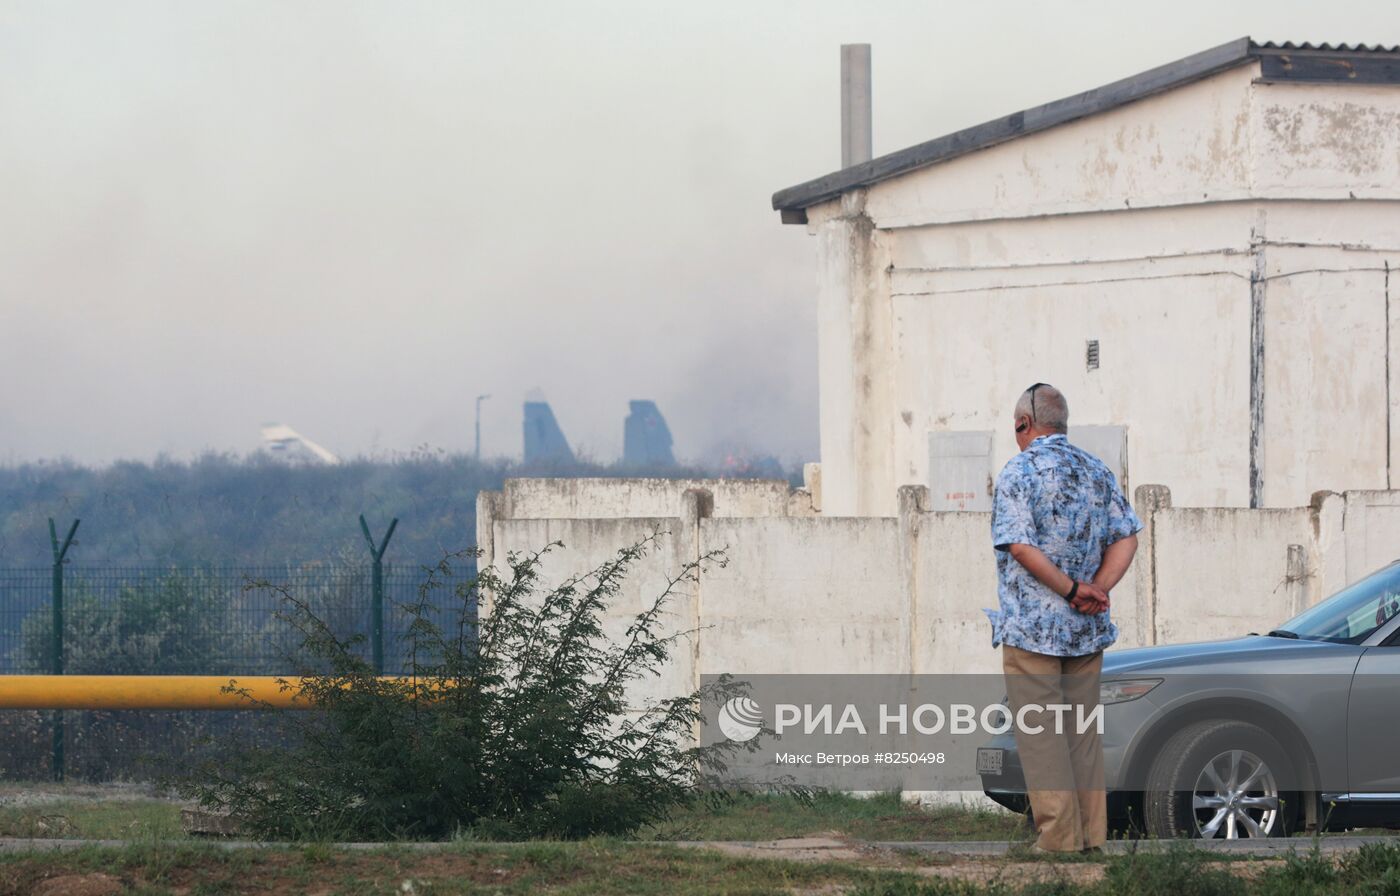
[1066, 502]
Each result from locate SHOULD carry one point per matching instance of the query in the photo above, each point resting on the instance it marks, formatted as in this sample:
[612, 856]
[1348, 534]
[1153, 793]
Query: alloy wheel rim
[1235, 796]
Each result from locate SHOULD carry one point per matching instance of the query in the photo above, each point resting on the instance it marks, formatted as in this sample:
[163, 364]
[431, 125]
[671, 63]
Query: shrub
[173, 623]
[1372, 869]
[514, 727]
[1302, 873]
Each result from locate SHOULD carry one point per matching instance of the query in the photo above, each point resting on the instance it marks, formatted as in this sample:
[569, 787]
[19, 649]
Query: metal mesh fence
[209, 621]
[205, 621]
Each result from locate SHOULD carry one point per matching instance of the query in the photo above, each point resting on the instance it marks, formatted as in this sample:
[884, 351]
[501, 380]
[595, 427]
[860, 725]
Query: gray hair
[1045, 406]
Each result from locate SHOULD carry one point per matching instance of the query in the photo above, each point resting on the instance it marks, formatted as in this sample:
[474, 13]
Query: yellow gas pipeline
[150, 692]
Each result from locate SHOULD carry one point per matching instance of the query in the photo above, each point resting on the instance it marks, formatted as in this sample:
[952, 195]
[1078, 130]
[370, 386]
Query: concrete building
[1200, 255]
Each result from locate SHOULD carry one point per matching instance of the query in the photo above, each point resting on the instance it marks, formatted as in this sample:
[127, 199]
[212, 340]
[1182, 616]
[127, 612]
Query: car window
[1354, 613]
[1388, 609]
[1373, 614]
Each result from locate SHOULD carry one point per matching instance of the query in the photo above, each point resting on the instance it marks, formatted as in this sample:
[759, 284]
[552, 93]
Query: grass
[77, 814]
[565, 868]
[880, 817]
[883, 817]
[159, 859]
[748, 817]
[611, 866]
[132, 819]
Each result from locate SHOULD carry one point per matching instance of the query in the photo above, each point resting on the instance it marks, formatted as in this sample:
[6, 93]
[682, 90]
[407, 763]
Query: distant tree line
[258, 510]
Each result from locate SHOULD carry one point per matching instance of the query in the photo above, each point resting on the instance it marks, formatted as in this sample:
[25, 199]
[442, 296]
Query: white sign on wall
[1109, 444]
[960, 473]
[960, 470]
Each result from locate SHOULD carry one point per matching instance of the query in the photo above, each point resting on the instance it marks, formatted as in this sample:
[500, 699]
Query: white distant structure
[280, 438]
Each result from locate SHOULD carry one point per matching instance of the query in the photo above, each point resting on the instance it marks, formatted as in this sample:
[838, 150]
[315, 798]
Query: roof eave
[794, 201]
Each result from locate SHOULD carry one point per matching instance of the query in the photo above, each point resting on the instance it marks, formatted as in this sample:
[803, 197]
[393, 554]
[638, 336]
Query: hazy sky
[355, 217]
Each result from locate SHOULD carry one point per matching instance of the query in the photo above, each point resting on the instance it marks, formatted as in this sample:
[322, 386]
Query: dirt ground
[829, 861]
[416, 874]
[79, 885]
[22, 796]
[831, 846]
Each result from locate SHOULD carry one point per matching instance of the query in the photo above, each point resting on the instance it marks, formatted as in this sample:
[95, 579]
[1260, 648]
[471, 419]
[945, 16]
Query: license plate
[989, 760]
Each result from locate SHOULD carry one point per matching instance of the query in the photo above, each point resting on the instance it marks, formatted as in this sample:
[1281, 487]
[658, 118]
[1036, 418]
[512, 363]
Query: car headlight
[1111, 692]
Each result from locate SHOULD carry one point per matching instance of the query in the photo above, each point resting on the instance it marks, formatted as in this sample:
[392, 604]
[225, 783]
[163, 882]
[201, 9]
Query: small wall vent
[1091, 354]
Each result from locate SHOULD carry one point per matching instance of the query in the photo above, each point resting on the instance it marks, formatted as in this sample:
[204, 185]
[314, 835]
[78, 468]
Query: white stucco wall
[1316, 141]
[906, 593]
[587, 544]
[854, 343]
[604, 498]
[1327, 404]
[1366, 532]
[803, 596]
[1184, 146]
[1174, 230]
[970, 334]
[1223, 572]
[952, 573]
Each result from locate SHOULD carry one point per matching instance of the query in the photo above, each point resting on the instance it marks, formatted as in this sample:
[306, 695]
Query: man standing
[1064, 536]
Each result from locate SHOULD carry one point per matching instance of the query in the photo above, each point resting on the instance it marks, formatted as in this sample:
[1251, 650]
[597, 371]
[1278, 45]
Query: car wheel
[1220, 779]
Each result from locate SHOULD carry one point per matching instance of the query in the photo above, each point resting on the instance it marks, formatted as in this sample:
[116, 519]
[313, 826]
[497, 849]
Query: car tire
[1194, 784]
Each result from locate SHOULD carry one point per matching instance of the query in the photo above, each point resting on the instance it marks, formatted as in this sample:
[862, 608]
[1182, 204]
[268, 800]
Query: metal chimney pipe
[855, 104]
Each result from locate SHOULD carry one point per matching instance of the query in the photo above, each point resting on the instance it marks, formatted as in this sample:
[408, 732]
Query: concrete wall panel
[1187, 145]
[1222, 573]
[954, 578]
[906, 593]
[1326, 140]
[1187, 425]
[599, 498]
[803, 595]
[1372, 531]
[1325, 393]
[590, 542]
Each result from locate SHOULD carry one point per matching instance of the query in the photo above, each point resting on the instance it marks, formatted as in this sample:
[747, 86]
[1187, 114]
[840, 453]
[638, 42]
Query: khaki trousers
[1064, 771]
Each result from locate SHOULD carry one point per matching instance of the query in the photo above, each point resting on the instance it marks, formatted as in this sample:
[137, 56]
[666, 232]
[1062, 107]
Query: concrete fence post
[913, 501]
[697, 504]
[488, 510]
[1148, 500]
[1295, 577]
[812, 482]
[1329, 548]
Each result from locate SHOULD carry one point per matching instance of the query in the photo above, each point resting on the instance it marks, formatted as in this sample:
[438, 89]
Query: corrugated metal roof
[1327, 48]
[1341, 63]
